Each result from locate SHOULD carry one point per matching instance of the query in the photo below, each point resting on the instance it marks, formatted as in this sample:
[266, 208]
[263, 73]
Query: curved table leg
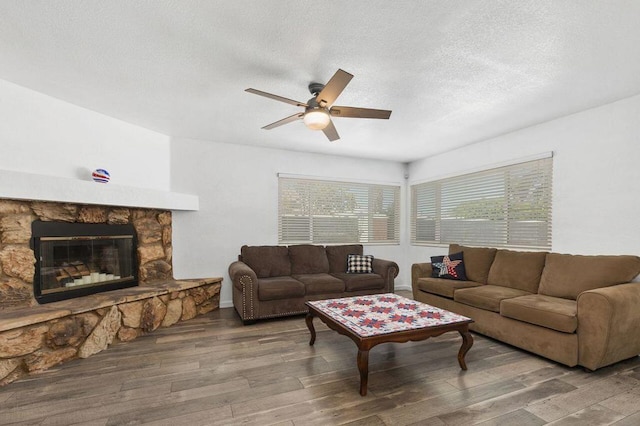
[363, 367]
[467, 342]
[309, 320]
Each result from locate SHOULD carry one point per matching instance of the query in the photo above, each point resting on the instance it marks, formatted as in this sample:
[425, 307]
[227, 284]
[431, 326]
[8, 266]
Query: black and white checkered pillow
[359, 264]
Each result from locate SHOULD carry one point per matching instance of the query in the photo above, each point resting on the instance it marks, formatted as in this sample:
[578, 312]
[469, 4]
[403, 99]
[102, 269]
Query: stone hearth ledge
[35, 338]
[13, 318]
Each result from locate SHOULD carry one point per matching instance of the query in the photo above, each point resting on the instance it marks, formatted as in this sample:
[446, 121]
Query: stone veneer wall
[17, 259]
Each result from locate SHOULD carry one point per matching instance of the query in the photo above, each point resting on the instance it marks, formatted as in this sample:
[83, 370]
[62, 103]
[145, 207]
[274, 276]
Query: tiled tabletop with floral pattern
[384, 313]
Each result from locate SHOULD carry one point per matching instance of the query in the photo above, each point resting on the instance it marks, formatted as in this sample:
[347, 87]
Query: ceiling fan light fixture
[316, 119]
[320, 108]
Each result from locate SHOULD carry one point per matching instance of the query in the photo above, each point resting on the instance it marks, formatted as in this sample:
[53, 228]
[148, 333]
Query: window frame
[511, 202]
[324, 211]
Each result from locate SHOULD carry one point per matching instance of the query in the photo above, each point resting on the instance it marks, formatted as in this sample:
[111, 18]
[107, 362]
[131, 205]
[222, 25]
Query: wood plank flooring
[213, 370]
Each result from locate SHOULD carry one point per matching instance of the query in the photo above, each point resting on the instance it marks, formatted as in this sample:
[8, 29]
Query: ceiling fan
[319, 109]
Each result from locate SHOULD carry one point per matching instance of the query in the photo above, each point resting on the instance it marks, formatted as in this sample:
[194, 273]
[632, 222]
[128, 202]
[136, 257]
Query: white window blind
[506, 206]
[331, 212]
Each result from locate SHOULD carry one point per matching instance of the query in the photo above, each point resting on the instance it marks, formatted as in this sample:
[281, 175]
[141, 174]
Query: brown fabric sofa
[576, 310]
[275, 281]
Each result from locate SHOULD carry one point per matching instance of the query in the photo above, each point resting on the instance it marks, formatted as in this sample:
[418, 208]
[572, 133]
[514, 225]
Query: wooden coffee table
[381, 318]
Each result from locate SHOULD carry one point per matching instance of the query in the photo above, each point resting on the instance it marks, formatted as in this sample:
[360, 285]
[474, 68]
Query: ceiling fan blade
[343, 111]
[276, 97]
[330, 132]
[333, 88]
[289, 119]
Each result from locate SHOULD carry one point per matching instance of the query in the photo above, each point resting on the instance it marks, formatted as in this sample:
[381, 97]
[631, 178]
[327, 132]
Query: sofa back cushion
[517, 269]
[267, 261]
[477, 261]
[308, 259]
[337, 256]
[567, 275]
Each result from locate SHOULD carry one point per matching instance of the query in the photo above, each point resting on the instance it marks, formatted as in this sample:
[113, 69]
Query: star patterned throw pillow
[450, 267]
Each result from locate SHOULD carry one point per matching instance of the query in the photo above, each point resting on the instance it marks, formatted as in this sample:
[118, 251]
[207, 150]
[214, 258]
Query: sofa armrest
[419, 270]
[388, 270]
[245, 289]
[608, 321]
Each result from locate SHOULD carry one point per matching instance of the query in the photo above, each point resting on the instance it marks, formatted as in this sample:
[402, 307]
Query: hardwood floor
[213, 370]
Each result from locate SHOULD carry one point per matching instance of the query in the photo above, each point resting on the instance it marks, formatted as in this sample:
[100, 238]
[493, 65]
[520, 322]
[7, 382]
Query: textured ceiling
[453, 72]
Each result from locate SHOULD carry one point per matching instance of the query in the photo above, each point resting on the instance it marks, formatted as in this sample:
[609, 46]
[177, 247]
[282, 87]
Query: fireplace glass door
[95, 258]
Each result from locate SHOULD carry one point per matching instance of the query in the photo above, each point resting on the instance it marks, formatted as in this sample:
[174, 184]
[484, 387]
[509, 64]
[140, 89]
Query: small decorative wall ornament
[100, 175]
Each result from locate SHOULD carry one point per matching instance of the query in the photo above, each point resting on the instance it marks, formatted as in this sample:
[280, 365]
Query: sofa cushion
[517, 269]
[267, 261]
[320, 283]
[337, 256]
[448, 267]
[567, 275]
[443, 287]
[546, 311]
[279, 288]
[477, 261]
[356, 282]
[308, 259]
[486, 296]
[359, 264]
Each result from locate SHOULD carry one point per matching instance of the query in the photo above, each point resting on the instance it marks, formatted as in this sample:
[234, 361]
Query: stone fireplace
[108, 246]
[17, 258]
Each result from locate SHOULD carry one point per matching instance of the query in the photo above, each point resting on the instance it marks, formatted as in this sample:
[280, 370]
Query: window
[506, 206]
[329, 212]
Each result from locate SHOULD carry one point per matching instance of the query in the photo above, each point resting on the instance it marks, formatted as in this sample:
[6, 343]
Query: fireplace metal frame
[40, 229]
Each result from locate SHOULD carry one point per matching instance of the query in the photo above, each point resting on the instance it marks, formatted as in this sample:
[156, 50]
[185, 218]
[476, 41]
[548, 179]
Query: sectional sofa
[275, 281]
[573, 309]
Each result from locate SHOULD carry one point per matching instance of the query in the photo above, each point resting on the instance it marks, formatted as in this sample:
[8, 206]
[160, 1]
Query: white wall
[596, 176]
[43, 135]
[596, 182]
[238, 190]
